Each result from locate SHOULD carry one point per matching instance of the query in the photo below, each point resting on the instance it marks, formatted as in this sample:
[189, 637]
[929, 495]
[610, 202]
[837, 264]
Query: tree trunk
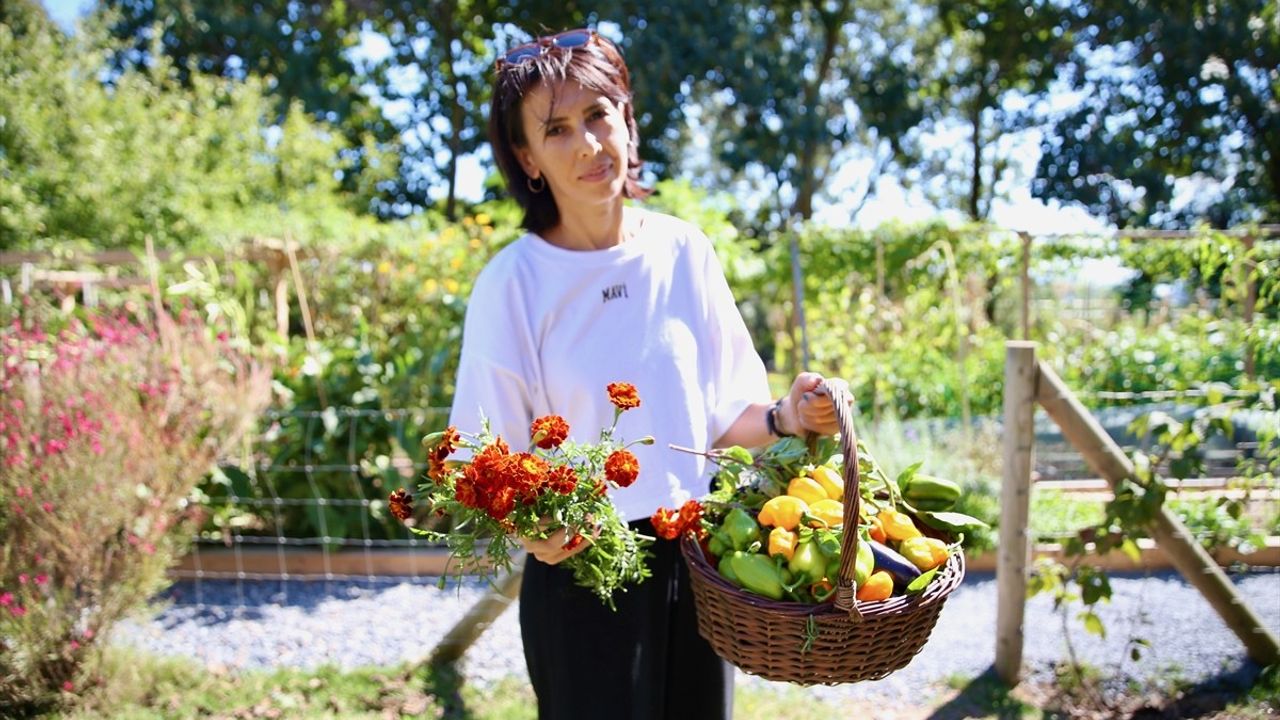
[975, 180]
[807, 185]
[456, 116]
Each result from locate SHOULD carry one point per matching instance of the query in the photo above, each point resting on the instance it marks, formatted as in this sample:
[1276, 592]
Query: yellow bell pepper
[925, 553]
[829, 512]
[783, 511]
[830, 481]
[807, 489]
[782, 542]
[898, 526]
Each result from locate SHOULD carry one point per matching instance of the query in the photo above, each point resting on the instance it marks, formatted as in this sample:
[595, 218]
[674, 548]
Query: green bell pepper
[757, 574]
[740, 529]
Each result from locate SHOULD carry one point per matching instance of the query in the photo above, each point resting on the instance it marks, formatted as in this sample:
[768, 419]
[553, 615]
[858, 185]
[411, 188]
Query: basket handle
[842, 401]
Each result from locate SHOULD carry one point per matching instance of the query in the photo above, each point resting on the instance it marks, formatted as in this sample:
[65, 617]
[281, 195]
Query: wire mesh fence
[306, 499]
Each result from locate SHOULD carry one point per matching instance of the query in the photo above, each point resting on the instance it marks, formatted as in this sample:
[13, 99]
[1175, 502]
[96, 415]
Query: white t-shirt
[547, 329]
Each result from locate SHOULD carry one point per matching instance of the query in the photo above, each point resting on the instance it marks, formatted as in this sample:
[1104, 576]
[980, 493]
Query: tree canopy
[1178, 119]
[1155, 117]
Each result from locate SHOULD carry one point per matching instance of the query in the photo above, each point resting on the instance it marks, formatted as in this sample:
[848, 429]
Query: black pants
[644, 662]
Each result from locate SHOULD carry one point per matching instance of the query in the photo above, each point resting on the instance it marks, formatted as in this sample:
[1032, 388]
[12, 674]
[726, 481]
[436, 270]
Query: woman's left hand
[807, 410]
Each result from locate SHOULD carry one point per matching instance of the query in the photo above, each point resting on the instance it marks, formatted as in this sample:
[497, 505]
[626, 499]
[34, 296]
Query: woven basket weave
[840, 641]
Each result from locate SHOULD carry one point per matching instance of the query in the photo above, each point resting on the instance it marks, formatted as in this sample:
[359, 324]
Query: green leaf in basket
[905, 477]
[952, 521]
[922, 582]
[810, 634]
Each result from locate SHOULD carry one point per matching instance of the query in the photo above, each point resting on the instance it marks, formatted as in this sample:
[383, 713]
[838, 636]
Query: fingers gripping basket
[840, 641]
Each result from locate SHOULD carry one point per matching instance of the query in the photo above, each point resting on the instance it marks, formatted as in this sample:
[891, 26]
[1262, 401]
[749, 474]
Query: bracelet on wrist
[771, 420]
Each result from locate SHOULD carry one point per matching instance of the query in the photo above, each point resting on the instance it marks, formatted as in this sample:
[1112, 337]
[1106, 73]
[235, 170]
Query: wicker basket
[840, 641]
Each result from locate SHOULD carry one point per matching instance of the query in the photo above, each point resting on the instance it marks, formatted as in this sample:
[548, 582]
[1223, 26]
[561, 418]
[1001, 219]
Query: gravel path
[353, 624]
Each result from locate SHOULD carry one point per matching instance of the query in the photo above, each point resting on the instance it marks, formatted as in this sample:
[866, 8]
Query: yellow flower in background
[447, 232]
[430, 286]
[384, 267]
[451, 286]
[455, 263]
[475, 243]
[483, 219]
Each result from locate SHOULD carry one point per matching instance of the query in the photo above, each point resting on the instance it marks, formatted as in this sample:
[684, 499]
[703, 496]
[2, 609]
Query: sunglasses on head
[528, 51]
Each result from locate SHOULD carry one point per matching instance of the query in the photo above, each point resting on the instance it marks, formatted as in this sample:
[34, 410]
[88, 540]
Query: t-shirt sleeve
[738, 378]
[493, 368]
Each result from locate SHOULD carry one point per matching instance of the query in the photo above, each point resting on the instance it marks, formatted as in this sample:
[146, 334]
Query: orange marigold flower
[401, 504]
[622, 468]
[563, 479]
[487, 460]
[666, 523]
[449, 442]
[549, 431]
[501, 502]
[691, 518]
[467, 489]
[526, 474]
[572, 543]
[623, 395]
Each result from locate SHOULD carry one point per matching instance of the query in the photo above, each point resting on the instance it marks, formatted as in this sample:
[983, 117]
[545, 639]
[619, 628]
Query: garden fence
[313, 508]
[305, 499]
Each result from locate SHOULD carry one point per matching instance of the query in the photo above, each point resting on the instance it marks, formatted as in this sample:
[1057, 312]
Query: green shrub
[100, 160]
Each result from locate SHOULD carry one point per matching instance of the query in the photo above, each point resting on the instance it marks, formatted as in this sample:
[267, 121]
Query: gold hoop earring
[542, 184]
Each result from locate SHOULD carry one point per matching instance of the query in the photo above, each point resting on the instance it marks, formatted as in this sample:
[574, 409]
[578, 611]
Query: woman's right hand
[557, 548]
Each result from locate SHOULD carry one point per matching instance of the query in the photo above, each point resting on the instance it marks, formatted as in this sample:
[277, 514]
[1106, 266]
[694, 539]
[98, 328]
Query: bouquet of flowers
[498, 496]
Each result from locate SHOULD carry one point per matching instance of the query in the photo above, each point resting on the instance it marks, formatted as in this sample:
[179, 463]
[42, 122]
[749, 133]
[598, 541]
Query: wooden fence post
[481, 615]
[1014, 553]
[1108, 460]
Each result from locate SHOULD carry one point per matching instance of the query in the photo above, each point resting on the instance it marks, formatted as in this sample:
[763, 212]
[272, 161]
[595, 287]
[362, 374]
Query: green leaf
[953, 521]
[1131, 549]
[907, 474]
[1094, 585]
[921, 582]
[1093, 623]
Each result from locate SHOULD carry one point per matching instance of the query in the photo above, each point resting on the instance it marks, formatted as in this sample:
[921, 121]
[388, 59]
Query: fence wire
[309, 502]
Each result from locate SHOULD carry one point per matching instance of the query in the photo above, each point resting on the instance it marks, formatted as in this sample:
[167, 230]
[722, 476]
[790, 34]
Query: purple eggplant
[902, 569]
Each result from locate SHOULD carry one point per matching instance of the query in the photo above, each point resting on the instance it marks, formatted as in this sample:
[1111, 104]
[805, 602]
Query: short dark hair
[597, 66]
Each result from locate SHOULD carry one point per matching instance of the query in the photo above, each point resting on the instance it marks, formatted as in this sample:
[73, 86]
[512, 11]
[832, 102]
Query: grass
[985, 696]
[141, 686]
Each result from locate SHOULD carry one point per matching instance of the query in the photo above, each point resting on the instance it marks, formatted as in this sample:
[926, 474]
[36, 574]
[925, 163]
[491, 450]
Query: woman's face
[579, 145]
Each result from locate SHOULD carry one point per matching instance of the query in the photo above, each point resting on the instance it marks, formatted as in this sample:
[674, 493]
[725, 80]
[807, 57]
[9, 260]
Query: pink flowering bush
[106, 426]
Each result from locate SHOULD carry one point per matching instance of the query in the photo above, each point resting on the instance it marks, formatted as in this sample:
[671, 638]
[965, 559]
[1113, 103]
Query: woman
[596, 292]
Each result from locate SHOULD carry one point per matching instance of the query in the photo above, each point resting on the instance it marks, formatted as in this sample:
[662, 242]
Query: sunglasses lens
[572, 39]
[521, 54]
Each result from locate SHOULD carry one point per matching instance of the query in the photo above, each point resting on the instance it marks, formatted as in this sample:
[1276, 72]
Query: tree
[438, 76]
[189, 165]
[798, 86]
[301, 48]
[989, 50]
[1178, 120]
